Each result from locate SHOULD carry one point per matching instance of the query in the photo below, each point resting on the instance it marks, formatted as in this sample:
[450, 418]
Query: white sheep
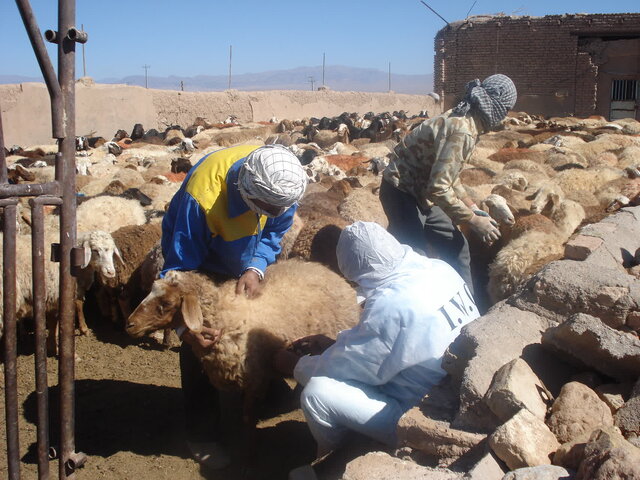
[525, 255]
[100, 251]
[299, 299]
[109, 213]
[497, 207]
[121, 290]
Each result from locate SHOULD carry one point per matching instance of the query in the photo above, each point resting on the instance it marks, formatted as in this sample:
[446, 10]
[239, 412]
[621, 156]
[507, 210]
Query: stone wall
[103, 109]
[549, 58]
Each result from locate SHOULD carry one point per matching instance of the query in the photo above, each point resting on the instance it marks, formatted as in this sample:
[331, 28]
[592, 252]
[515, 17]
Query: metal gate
[60, 192]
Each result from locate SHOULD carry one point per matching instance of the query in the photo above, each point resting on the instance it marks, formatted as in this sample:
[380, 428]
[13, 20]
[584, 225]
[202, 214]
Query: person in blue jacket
[228, 218]
[367, 377]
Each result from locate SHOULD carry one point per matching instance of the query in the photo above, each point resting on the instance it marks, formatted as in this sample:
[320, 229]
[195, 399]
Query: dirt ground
[129, 418]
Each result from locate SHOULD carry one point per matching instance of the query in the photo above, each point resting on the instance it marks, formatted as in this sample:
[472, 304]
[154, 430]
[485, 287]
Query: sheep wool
[299, 299]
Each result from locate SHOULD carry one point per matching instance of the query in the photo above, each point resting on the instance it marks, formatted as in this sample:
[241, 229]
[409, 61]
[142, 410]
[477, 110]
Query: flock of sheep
[541, 179]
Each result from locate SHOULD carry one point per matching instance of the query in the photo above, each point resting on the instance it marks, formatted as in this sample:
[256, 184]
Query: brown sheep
[299, 299]
[122, 293]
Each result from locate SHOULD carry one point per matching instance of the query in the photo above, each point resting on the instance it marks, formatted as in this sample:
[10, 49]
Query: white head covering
[368, 255]
[272, 174]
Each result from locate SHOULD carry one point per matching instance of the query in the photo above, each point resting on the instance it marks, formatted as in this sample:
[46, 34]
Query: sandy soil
[129, 417]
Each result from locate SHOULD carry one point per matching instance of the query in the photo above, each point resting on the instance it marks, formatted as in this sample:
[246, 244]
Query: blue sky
[192, 37]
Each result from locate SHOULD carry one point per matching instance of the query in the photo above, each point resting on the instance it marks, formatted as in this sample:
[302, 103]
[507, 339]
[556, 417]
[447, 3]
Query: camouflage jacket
[427, 162]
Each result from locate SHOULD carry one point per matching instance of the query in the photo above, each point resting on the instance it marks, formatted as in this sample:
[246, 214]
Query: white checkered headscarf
[272, 174]
[490, 100]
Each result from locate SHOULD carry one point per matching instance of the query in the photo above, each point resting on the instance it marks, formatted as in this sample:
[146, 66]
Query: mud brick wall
[545, 57]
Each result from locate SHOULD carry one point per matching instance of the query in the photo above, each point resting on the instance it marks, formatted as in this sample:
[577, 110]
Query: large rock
[609, 456]
[489, 467]
[541, 472]
[620, 233]
[576, 411]
[382, 466]
[514, 387]
[570, 454]
[434, 437]
[523, 441]
[565, 287]
[627, 418]
[482, 347]
[614, 394]
[597, 345]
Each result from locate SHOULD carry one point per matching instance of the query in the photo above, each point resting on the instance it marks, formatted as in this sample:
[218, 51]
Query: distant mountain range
[338, 78]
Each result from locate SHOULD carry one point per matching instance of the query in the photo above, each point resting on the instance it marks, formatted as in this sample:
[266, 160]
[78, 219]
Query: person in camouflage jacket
[421, 193]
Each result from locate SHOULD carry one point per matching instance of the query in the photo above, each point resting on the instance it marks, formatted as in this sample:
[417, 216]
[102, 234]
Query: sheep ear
[87, 253]
[116, 252]
[191, 312]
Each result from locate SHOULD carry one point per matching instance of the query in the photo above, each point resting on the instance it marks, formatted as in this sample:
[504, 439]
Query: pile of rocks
[546, 384]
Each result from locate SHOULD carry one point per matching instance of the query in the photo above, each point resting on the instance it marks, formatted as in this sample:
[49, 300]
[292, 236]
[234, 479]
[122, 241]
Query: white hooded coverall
[376, 371]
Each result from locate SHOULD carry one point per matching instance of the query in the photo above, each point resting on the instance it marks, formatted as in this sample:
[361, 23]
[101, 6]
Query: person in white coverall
[373, 373]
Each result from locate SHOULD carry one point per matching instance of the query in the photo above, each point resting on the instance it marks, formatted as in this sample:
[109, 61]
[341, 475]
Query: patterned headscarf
[490, 100]
[272, 174]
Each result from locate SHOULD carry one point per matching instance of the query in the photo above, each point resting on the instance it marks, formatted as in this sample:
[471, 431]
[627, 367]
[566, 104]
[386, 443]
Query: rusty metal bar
[66, 145]
[39, 314]
[46, 67]
[10, 338]
[3, 160]
[30, 190]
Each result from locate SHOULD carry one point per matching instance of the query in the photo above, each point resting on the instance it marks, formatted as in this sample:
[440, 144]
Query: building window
[624, 90]
[625, 97]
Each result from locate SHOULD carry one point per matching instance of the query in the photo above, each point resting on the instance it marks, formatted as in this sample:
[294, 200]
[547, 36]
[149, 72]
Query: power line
[230, 58]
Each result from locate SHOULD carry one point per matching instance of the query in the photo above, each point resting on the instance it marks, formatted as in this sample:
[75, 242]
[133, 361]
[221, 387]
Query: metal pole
[323, 61]
[39, 315]
[435, 12]
[46, 67]
[389, 76]
[10, 338]
[230, 57]
[66, 148]
[3, 160]
[84, 60]
[146, 67]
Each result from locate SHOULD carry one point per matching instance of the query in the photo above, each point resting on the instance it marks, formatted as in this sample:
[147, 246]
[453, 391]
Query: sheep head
[169, 304]
[546, 197]
[99, 252]
[497, 207]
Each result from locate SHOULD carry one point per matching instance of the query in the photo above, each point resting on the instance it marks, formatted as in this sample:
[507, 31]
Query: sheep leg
[166, 338]
[250, 421]
[82, 323]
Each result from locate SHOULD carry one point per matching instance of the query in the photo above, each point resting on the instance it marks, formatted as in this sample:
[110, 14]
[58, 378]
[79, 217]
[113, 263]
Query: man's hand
[202, 343]
[249, 284]
[311, 345]
[485, 227]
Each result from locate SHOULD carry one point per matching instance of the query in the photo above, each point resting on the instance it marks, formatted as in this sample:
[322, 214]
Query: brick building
[562, 65]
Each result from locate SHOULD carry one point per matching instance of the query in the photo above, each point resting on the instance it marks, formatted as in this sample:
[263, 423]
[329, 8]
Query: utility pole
[323, 59]
[182, 85]
[230, 56]
[146, 82]
[84, 62]
[311, 81]
[389, 76]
